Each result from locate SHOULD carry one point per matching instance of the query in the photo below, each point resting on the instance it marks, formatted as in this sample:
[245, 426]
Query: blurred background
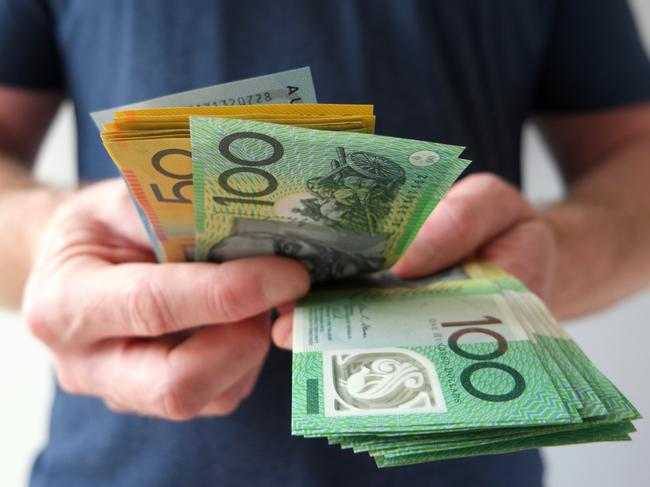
[615, 340]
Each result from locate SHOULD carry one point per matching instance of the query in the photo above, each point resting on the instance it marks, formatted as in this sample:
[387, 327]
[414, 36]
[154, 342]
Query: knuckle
[148, 314]
[115, 407]
[39, 317]
[491, 182]
[225, 405]
[463, 219]
[501, 190]
[173, 402]
[229, 300]
[67, 381]
[37, 321]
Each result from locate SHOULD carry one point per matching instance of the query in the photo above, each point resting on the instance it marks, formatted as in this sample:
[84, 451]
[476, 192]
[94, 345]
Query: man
[136, 344]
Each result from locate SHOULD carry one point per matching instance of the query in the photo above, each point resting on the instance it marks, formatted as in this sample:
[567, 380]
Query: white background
[617, 341]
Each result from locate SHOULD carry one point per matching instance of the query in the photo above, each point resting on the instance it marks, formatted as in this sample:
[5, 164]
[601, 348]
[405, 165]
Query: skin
[186, 340]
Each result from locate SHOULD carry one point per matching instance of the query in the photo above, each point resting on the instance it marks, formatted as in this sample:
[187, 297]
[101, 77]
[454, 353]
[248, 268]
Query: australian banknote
[341, 203]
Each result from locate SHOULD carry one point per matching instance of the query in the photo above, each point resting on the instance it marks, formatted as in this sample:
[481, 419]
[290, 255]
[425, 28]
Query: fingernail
[284, 335]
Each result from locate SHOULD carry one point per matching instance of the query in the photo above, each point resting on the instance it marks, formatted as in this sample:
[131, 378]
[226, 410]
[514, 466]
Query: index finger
[138, 299]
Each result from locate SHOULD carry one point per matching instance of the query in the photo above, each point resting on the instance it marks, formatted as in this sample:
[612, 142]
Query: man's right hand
[172, 340]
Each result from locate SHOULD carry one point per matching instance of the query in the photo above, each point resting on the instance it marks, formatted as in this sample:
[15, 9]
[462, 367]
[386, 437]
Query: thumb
[473, 212]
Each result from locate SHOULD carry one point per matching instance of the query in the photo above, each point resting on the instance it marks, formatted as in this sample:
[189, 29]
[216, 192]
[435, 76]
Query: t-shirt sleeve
[29, 56]
[594, 59]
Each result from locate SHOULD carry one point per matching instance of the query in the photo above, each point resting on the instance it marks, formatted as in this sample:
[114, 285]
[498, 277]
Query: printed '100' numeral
[502, 347]
[248, 167]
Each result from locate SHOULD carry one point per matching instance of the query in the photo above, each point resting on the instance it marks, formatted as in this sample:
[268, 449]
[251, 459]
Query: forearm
[25, 207]
[603, 234]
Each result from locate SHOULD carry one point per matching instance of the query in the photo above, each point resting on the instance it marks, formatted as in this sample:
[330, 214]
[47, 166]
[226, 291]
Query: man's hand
[481, 216]
[172, 340]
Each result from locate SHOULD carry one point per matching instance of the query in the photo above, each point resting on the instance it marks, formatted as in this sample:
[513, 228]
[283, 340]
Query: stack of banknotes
[468, 363]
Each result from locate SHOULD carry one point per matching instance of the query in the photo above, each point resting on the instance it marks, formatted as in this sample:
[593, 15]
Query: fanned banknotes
[341, 203]
[466, 365]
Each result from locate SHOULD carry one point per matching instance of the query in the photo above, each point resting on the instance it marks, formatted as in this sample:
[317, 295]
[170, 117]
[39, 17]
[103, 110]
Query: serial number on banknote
[254, 99]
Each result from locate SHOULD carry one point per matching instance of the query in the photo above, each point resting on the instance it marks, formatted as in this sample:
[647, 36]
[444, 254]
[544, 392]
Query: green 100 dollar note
[341, 203]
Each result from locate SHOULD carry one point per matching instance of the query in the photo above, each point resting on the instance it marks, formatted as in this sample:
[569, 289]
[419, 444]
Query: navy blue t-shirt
[463, 72]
